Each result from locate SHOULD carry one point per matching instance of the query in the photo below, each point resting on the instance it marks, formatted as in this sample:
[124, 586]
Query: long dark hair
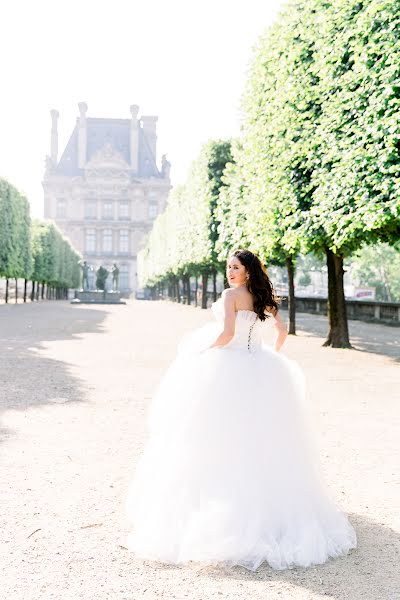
[258, 283]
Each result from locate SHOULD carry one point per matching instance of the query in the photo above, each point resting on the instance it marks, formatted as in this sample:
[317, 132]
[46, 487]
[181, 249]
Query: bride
[228, 474]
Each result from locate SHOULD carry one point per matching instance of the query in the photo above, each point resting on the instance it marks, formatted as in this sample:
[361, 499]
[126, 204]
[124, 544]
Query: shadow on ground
[28, 378]
[370, 572]
[366, 337]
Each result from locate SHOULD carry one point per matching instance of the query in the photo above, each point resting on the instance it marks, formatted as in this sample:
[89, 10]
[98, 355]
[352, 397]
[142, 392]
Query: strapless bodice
[249, 330]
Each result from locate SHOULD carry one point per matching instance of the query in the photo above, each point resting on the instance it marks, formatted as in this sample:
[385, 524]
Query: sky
[183, 60]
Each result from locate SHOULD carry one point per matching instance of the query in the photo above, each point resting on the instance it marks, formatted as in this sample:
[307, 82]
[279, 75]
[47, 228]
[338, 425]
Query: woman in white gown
[228, 474]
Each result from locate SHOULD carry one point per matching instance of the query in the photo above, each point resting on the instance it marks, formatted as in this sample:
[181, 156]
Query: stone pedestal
[97, 297]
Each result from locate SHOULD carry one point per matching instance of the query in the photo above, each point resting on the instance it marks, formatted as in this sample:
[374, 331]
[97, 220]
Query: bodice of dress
[249, 330]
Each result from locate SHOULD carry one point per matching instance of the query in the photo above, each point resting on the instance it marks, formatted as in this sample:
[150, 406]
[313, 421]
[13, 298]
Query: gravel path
[75, 382]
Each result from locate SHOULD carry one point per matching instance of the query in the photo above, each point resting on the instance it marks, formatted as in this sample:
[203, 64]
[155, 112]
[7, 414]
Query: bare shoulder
[228, 298]
[228, 293]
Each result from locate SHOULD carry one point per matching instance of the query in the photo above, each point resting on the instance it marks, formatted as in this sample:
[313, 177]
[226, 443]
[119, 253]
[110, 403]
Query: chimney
[134, 138]
[82, 134]
[54, 136]
[149, 130]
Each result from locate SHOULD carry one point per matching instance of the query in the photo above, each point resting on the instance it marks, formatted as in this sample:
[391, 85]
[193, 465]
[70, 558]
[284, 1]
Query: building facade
[106, 189]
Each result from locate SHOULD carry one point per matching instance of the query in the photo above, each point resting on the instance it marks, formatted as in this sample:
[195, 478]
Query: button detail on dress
[250, 332]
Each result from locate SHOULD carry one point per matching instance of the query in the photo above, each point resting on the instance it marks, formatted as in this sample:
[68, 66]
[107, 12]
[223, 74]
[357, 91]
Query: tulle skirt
[229, 474]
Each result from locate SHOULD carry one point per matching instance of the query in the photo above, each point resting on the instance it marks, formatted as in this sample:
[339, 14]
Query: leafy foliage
[184, 238]
[15, 240]
[55, 260]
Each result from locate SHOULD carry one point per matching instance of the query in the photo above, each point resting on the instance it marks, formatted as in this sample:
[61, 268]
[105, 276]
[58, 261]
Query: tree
[321, 151]
[357, 181]
[15, 241]
[378, 266]
[182, 243]
[55, 261]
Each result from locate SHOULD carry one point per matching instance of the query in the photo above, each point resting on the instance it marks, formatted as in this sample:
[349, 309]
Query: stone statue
[85, 275]
[115, 277]
[102, 274]
[165, 167]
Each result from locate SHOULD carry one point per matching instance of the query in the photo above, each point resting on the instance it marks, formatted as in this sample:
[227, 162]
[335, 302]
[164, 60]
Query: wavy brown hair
[258, 283]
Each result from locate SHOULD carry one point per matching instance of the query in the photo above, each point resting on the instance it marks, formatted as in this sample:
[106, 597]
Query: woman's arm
[229, 319]
[281, 332]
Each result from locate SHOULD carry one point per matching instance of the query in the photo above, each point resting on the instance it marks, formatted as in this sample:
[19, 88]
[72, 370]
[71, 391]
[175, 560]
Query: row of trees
[184, 240]
[34, 250]
[320, 151]
[317, 167]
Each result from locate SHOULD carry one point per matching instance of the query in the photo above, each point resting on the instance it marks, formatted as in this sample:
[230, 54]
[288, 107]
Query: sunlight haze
[183, 61]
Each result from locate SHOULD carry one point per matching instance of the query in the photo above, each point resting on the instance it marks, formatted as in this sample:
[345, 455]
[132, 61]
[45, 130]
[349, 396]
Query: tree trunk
[204, 280]
[37, 291]
[42, 293]
[16, 291]
[338, 335]
[291, 297]
[178, 292]
[189, 300]
[214, 276]
[6, 298]
[33, 292]
[25, 288]
[196, 289]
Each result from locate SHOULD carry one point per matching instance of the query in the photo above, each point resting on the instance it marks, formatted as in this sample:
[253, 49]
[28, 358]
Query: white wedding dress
[228, 474]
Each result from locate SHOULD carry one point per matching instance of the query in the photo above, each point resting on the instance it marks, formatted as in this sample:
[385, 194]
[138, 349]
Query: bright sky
[183, 60]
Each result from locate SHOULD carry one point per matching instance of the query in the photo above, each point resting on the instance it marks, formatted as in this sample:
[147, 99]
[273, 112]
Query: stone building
[106, 189]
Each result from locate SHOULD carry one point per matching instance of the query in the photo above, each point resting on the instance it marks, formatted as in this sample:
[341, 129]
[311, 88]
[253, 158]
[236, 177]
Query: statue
[85, 275]
[165, 167]
[101, 279]
[115, 277]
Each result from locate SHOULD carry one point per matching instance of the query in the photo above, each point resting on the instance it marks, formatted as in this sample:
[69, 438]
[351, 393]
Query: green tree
[55, 262]
[378, 266]
[183, 241]
[321, 151]
[15, 241]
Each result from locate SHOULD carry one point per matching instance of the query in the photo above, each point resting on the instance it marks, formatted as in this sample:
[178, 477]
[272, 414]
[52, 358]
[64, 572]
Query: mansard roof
[107, 131]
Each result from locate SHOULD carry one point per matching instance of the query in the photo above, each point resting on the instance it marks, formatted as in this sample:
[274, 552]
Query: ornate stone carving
[107, 158]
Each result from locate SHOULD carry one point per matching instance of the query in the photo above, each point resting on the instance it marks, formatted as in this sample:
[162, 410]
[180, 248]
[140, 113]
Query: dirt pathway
[75, 385]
